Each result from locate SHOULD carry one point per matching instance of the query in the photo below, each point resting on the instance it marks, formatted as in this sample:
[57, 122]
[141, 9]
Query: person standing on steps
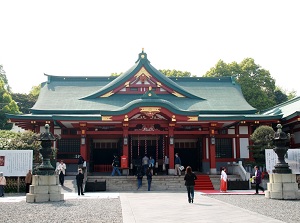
[258, 180]
[167, 164]
[79, 182]
[145, 163]
[116, 165]
[151, 164]
[190, 178]
[61, 169]
[149, 178]
[80, 162]
[177, 165]
[139, 177]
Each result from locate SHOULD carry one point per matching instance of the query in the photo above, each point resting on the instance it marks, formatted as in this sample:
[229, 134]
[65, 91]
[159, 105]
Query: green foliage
[7, 104]
[20, 141]
[115, 74]
[25, 101]
[280, 96]
[35, 91]
[3, 75]
[260, 143]
[175, 73]
[257, 85]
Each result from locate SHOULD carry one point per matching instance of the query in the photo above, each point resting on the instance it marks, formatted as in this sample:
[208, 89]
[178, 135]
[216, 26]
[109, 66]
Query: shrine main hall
[207, 121]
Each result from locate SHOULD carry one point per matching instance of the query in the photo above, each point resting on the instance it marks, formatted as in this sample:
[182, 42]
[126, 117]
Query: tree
[4, 79]
[35, 91]
[258, 87]
[175, 73]
[7, 104]
[20, 141]
[280, 96]
[260, 143]
[26, 101]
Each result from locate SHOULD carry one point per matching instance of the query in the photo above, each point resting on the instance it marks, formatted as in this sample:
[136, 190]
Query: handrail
[238, 169]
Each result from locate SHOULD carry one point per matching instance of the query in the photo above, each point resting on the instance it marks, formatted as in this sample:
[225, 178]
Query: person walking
[190, 178]
[28, 180]
[177, 165]
[223, 181]
[257, 178]
[61, 169]
[149, 177]
[139, 177]
[116, 165]
[79, 182]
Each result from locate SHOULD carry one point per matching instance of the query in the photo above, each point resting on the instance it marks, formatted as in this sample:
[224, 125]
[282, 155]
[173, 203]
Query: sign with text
[15, 162]
[292, 158]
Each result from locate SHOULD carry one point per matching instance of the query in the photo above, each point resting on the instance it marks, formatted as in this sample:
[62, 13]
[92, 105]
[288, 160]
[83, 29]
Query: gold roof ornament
[141, 72]
[108, 94]
[106, 118]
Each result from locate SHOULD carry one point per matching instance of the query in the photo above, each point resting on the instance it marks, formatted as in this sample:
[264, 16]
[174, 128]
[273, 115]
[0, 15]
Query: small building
[207, 121]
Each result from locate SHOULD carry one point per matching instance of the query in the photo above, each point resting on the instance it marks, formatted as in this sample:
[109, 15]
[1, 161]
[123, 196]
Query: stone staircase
[159, 183]
[129, 183]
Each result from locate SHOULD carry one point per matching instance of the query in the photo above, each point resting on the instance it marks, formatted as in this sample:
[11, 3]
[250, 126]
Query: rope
[145, 144]
[138, 145]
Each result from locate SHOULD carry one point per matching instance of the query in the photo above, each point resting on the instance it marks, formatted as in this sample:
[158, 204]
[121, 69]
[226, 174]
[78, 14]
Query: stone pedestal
[44, 188]
[282, 187]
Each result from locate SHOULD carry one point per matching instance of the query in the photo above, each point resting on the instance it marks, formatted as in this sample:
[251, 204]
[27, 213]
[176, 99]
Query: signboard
[15, 162]
[292, 158]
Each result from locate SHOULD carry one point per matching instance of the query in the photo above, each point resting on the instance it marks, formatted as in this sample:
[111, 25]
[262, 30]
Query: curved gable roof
[141, 64]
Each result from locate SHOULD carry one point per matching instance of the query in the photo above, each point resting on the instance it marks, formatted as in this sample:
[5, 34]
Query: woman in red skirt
[223, 182]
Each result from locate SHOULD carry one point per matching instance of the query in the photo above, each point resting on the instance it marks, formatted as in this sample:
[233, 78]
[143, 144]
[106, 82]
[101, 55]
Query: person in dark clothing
[149, 177]
[139, 177]
[177, 165]
[190, 178]
[79, 182]
[116, 165]
[258, 180]
[80, 162]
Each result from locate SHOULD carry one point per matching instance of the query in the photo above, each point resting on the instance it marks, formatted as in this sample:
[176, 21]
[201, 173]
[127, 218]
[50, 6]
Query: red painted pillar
[171, 148]
[83, 142]
[125, 142]
[83, 151]
[212, 152]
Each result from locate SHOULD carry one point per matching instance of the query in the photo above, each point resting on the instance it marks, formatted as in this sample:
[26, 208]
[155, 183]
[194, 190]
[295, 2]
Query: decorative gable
[141, 78]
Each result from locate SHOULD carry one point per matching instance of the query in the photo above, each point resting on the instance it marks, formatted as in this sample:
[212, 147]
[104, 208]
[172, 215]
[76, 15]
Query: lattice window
[68, 146]
[224, 148]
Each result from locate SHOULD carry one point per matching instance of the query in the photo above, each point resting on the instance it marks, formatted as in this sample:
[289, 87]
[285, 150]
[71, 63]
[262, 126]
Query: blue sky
[97, 38]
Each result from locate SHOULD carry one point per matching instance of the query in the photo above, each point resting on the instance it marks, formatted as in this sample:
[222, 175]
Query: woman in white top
[223, 181]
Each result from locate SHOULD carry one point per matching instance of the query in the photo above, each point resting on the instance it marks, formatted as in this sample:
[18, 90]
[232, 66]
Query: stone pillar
[44, 188]
[282, 187]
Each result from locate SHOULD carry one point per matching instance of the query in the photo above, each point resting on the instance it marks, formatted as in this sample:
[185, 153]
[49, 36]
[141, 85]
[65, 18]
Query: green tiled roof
[64, 97]
[288, 109]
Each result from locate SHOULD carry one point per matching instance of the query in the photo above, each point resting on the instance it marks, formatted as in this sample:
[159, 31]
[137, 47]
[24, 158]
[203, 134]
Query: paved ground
[144, 207]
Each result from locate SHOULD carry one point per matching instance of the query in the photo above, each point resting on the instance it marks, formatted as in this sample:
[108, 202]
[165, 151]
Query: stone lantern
[280, 141]
[45, 184]
[46, 139]
[282, 183]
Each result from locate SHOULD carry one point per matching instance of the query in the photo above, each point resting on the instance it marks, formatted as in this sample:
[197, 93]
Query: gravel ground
[284, 210]
[84, 210]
